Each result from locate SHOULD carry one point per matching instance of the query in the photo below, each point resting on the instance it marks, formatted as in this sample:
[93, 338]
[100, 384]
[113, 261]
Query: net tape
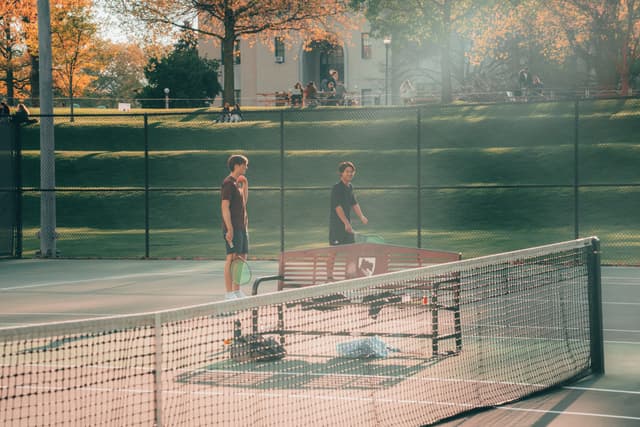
[443, 339]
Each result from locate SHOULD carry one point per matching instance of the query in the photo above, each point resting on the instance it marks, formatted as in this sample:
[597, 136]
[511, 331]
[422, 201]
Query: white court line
[581, 414]
[337, 398]
[620, 303]
[39, 313]
[103, 279]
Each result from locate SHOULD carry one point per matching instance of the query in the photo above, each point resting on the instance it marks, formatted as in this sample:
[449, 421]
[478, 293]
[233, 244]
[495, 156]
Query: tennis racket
[240, 272]
[368, 238]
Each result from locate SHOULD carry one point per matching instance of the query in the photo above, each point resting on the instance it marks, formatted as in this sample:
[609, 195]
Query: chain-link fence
[9, 200]
[477, 179]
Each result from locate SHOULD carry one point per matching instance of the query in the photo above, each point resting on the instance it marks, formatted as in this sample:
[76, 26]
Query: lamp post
[166, 98]
[387, 45]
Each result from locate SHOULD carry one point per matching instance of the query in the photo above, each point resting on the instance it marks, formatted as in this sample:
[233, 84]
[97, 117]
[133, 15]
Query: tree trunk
[228, 57]
[34, 79]
[72, 119]
[9, 70]
[228, 93]
[445, 57]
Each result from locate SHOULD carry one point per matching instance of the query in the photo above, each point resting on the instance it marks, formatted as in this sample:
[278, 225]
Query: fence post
[17, 162]
[15, 149]
[576, 181]
[157, 371]
[282, 243]
[146, 186]
[419, 177]
[595, 309]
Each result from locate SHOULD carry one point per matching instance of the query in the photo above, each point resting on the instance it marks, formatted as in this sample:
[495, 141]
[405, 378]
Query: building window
[236, 52]
[366, 45]
[279, 50]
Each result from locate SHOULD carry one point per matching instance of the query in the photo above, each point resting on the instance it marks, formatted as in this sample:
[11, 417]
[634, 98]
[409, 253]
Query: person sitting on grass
[22, 115]
[225, 114]
[236, 114]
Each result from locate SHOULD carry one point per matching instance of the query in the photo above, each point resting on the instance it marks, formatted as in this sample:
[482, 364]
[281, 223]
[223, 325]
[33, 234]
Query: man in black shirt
[342, 202]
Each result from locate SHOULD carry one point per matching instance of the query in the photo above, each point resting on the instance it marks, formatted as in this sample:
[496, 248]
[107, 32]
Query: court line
[103, 279]
[582, 414]
[60, 314]
[339, 398]
[621, 303]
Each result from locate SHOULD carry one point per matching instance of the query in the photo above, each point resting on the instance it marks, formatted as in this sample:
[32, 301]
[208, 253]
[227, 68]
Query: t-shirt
[231, 192]
[341, 195]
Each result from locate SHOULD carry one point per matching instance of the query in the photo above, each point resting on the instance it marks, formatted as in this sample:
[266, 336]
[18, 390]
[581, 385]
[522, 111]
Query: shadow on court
[331, 374]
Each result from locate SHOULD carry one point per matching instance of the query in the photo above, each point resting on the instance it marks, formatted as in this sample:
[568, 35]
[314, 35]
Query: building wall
[259, 73]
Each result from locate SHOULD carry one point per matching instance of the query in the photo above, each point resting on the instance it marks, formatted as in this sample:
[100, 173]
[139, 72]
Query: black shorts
[342, 239]
[240, 242]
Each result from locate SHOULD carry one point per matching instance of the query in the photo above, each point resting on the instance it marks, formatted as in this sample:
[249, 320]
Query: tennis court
[318, 385]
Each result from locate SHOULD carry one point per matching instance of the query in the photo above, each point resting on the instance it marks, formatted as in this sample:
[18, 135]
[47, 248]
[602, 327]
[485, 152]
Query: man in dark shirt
[234, 195]
[342, 202]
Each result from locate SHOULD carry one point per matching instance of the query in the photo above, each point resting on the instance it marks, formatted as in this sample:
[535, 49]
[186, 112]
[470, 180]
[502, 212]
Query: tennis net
[405, 348]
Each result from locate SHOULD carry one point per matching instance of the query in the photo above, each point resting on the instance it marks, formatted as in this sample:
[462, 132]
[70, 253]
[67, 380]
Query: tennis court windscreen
[7, 190]
[405, 348]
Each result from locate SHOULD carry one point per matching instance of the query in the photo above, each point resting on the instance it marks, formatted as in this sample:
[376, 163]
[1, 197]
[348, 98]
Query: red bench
[310, 267]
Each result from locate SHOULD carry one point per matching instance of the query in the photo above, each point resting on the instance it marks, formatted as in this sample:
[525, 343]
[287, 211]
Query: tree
[190, 78]
[229, 20]
[123, 75]
[421, 21]
[603, 33]
[73, 47]
[15, 16]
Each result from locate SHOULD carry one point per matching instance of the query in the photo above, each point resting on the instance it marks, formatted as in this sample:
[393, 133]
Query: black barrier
[8, 190]
[149, 186]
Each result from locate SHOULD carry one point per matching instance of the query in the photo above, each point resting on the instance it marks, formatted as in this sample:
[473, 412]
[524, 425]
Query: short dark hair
[343, 165]
[236, 159]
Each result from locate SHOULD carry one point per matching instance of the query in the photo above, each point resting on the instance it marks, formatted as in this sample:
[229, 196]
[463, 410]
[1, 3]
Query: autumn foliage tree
[15, 18]
[74, 47]
[229, 20]
[604, 34]
[123, 71]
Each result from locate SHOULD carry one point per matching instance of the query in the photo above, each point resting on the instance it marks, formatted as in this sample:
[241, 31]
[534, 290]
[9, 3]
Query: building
[262, 71]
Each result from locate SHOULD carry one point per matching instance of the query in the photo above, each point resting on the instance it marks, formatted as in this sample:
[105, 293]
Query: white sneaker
[240, 294]
[230, 296]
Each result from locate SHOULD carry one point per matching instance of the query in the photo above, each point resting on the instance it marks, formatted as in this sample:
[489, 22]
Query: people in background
[22, 115]
[341, 93]
[296, 95]
[311, 94]
[225, 114]
[407, 92]
[236, 114]
[537, 84]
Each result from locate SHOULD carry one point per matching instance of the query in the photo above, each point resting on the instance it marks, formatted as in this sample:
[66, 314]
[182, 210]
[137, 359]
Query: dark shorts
[342, 239]
[240, 242]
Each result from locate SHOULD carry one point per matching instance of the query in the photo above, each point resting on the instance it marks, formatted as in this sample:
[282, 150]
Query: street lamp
[387, 45]
[166, 98]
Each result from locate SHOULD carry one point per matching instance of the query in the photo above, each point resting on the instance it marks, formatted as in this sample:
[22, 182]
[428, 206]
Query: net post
[457, 321]
[595, 309]
[157, 389]
[434, 320]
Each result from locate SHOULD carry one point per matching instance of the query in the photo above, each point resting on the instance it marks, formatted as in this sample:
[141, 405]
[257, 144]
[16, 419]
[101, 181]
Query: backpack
[256, 348]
